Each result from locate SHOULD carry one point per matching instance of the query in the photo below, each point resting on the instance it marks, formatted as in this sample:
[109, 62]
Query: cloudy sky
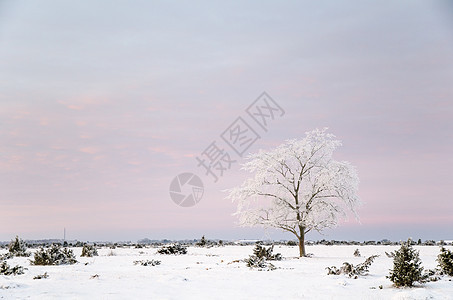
[103, 103]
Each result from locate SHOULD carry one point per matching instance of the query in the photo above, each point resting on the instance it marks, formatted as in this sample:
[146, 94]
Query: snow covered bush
[5, 269]
[390, 255]
[6, 256]
[260, 257]
[261, 251]
[17, 247]
[361, 269]
[41, 276]
[203, 242]
[333, 270]
[54, 255]
[259, 263]
[173, 249]
[291, 243]
[432, 274]
[145, 263]
[407, 267]
[89, 251]
[445, 261]
[357, 253]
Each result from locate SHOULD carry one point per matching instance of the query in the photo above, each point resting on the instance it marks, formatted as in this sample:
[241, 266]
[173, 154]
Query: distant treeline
[215, 243]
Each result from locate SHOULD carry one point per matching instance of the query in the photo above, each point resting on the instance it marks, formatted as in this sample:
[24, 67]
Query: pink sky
[101, 105]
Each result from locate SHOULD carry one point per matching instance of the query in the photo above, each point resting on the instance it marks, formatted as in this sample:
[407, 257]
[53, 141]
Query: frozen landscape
[320, 130]
[216, 273]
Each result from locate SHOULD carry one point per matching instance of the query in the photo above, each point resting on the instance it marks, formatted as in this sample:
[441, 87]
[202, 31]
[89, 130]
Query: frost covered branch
[297, 187]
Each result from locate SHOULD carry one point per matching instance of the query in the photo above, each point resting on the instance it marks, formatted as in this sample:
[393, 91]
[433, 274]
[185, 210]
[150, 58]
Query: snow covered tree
[89, 251]
[407, 267]
[445, 261]
[202, 243]
[18, 247]
[297, 187]
[54, 255]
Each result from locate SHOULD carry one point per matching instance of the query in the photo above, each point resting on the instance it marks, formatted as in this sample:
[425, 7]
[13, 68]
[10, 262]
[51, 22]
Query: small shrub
[145, 263]
[261, 251]
[54, 255]
[261, 256]
[175, 249]
[390, 255]
[41, 276]
[259, 263]
[357, 253]
[407, 267]
[361, 269]
[202, 243]
[445, 261]
[333, 270]
[432, 274]
[291, 243]
[89, 251]
[17, 247]
[5, 269]
[5, 256]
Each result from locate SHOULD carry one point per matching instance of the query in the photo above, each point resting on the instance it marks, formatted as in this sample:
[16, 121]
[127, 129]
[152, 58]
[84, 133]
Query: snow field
[213, 273]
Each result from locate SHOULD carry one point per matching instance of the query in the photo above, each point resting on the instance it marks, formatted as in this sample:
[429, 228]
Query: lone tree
[407, 267]
[297, 187]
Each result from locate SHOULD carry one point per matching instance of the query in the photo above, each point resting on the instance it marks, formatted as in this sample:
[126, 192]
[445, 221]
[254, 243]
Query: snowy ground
[207, 273]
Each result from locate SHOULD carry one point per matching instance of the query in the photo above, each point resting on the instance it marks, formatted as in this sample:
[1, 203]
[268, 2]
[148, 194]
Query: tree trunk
[302, 244]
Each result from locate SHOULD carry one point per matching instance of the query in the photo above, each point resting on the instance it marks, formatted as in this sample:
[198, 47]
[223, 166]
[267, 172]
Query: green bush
[407, 267]
[202, 243]
[145, 263]
[173, 249]
[291, 243]
[41, 276]
[261, 251]
[261, 256]
[89, 251]
[5, 269]
[17, 247]
[7, 255]
[54, 255]
[445, 261]
[361, 269]
[259, 263]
